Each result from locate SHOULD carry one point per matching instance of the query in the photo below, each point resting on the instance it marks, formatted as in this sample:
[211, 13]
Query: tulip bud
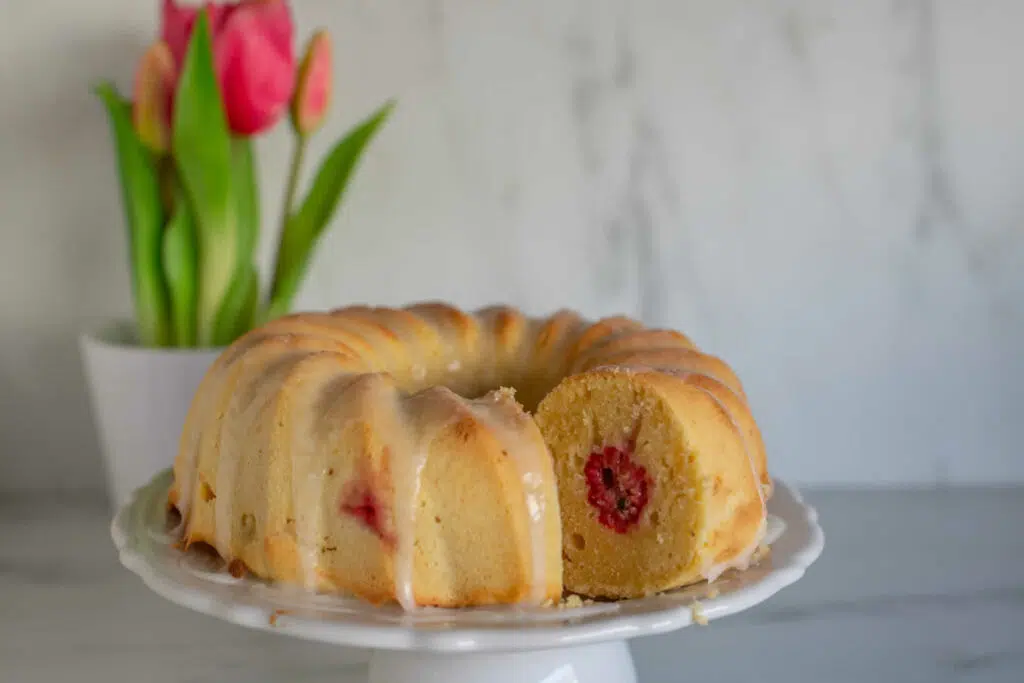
[151, 102]
[313, 90]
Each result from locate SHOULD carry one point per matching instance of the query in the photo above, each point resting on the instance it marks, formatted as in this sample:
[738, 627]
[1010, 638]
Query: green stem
[298, 154]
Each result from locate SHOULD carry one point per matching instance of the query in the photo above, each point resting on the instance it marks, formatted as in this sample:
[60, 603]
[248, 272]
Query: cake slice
[657, 479]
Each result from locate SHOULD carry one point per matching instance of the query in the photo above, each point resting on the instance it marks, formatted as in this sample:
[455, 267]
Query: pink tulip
[253, 56]
[313, 90]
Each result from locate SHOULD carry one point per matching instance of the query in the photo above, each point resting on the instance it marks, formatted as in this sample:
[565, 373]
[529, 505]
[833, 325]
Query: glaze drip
[407, 474]
[307, 476]
[418, 428]
[500, 412]
[742, 560]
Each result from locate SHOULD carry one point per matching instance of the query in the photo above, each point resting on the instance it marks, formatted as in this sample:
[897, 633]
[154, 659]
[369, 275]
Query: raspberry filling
[617, 487]
[362, 504]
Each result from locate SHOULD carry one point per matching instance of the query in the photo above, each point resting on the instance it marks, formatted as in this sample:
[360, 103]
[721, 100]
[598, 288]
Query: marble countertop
[913, 586]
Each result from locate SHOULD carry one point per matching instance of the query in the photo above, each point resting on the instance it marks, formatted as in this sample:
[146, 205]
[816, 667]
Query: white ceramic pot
[139, 400]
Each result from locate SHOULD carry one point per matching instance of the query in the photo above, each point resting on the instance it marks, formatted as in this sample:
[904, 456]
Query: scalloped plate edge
[575, 628]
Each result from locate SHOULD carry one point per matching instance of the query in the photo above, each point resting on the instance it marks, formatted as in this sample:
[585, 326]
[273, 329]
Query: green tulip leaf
[304, 228]
[179, 260]
[252, 299]
[238, 313]
[140, 194]
[201, 145]
[245, 185]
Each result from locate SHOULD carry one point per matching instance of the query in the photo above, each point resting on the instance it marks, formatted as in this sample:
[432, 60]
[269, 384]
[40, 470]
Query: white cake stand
[583, 644]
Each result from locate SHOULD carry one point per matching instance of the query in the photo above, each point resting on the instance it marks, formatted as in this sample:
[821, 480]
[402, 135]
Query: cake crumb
[713, 593]
[504, 393]
[573, 601]
[697, 612]
[763, 551]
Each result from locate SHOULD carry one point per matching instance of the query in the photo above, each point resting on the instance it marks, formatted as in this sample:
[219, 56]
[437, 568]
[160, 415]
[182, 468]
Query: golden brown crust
[602, 329]
[678, 360]
[507, 324]
[633, 340]
[462, 324]
[555, 333]
[738, 411]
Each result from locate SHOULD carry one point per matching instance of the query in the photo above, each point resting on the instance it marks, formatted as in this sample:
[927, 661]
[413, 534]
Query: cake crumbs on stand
[697, 612]
[573, 601]
[763, 552]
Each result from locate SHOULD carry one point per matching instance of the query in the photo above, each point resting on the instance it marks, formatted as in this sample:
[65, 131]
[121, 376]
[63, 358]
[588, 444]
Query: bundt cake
[432, 456]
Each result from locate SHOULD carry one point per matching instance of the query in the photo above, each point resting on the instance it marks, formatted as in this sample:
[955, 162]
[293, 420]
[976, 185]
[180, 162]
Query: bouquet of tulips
[219, 76]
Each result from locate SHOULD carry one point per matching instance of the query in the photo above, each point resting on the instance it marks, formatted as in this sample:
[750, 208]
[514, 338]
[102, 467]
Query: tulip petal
[256, 64]
[313, 90]
[154, 90]
[275, 19]
[177, 22]
[175, 27]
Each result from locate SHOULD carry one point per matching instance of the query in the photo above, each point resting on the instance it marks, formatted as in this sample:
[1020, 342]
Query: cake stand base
[608, 662]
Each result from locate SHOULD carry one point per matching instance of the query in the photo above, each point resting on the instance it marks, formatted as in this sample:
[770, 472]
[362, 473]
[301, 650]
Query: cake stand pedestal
[609, 662]
[584, 643]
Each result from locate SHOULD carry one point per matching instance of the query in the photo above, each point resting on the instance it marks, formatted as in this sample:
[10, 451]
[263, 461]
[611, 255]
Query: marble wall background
[827, 194]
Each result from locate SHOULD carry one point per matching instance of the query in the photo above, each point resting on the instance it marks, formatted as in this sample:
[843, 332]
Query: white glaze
[209, 401]
[233, 444]
[227, 461]
[742, 560]
[415, 426]
[309, 523]
[412, 448]
[307, 485]
[189, 470]
[531, 474]
[407, 489]
[415, 429]
[230, 450]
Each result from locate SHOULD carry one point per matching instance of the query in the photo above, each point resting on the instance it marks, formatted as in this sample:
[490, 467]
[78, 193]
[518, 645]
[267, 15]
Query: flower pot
[140, 397]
